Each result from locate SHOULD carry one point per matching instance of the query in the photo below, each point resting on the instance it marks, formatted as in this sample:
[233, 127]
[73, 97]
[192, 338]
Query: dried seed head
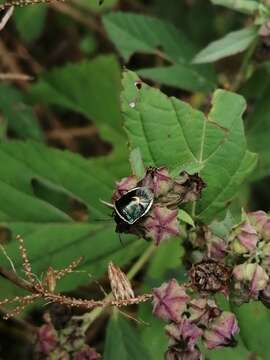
[189, 187]
[50, 279]
[120, 285]
[210, 276]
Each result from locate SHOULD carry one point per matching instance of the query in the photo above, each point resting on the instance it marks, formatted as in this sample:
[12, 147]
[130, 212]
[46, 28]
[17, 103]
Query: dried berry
[210, 276]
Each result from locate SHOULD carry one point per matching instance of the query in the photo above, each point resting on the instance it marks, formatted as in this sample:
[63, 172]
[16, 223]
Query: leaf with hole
[170, 132]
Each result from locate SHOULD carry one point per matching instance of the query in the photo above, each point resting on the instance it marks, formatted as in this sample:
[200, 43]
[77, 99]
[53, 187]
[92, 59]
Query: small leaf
[231, 44]
[136, 163]
[30, 21]
[185, 217]
[122, 341]
[19, 116]
[245, 6]
[184, 76]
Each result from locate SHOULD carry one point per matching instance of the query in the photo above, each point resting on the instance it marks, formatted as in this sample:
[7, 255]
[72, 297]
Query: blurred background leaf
[136, 33]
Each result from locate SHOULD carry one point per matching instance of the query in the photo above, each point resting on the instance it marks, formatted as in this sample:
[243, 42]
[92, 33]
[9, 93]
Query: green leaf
[231, 44]
[245, 6]
[91, 88]
[43, 212]
[169, 132]
[19, 116]
[254, 322]
[123, 341]
[136, 163]
[133, 33]
[185, 217]
[258, 133]
[30, 21]
[184, 76]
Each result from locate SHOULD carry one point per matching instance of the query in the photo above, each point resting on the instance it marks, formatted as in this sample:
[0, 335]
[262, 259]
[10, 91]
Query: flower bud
[176, 353]
[123, 186]
[221, 331]
[185, 332]
[188, 187]
[202, 311]
[158, 180]
[265, 233]
[245, 238]
[170, 301]
[46, 339]
[251, 275]
[257, 219]
[217, 247]
[161, 224]
[87, 353]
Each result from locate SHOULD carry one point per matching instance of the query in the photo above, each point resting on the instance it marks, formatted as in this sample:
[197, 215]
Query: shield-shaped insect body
[134, 204]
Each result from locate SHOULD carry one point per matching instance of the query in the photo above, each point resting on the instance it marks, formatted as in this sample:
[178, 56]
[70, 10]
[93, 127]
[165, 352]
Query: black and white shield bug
[134, 204]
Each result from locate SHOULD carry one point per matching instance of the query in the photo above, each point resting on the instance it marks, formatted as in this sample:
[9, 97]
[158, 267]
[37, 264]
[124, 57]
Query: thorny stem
[90, 317]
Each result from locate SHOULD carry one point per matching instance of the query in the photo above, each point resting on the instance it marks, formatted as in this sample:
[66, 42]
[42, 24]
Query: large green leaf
[254, 322]
[258, 132]
[123, 341]
[40, 192]
[169, 132]
[90, 87]
[133, 33]
[231, 44]
[19, 116]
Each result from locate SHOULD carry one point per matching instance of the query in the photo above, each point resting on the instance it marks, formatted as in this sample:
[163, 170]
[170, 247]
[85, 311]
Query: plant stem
[242, 75]
[90, 317]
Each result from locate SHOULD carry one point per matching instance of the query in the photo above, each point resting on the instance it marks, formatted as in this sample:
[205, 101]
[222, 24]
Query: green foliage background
[195, 111]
